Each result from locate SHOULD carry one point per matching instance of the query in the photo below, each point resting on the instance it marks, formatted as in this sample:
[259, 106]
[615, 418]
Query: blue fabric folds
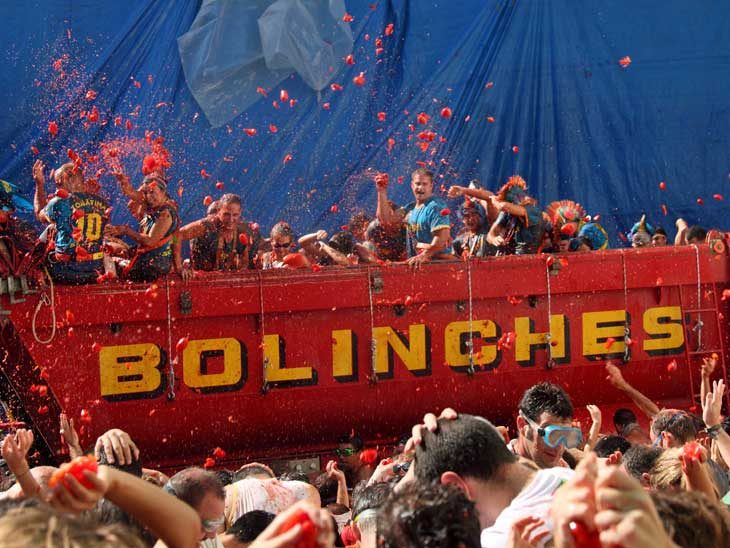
[543, 76]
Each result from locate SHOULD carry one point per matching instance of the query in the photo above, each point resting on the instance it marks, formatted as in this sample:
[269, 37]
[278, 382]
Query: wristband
[713, 431]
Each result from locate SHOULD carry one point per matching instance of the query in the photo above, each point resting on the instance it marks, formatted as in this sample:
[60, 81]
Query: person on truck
[220, 241]
[152, 256]
[427, 219]
[79, 217]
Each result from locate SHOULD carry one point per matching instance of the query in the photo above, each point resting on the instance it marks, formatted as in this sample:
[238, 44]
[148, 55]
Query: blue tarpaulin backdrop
[586, 128]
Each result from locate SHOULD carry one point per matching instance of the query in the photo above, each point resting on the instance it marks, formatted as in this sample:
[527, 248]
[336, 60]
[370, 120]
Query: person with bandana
[153, 255]
[520, 225]
[472, 241]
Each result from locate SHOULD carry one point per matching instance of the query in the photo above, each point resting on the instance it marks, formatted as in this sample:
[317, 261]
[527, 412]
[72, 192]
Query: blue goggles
[554, 435]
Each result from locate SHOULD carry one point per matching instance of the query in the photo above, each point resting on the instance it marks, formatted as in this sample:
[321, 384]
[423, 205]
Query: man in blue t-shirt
[79, 218]
[427, 220]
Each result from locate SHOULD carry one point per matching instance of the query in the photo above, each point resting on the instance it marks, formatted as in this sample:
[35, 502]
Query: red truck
[278, 364]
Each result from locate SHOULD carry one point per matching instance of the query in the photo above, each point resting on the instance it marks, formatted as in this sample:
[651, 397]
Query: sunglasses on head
[347, 452]
[554, 435]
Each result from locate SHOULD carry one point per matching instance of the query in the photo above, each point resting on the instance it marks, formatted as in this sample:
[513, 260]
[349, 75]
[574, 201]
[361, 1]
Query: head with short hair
[544, 404]
[348, 451]
[429, 515]
[692, 519]
[366, 501]
[359, 222]
[667, 471]
[343, 242]
[608, 445]
[254, 470]
[203, 491]
[622, 418]
[659, 238]
[249, 526]
[229, 211]
[70, 177]
[674, 426]
[638, 461]
[469, 446]
[224, 476]
[696, 235]
[422, 184]
[43, 526]
[134, 468]
[327, 488]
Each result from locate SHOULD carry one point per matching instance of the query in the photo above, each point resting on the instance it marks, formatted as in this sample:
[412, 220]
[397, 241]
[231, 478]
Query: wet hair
[623, 417]
[690, 518]
[369, 497]
[191, 485]
[224, 476]
[546, 398]
[428, 516]
[327, 488]
[134, 468]
[468, 445]
[353, 439]
[253, 469]
[282, 228]
[343, 242]
[230, 198]
[660, 230]
[43, 526]
[667, 471]
[696, 232]
[608, 445]
[294, 476]
[108, 513]
[71, 168]
[213, 208]
[640, 459]
[680, 424]
[358, 219]
[422, 171]
[250, 525]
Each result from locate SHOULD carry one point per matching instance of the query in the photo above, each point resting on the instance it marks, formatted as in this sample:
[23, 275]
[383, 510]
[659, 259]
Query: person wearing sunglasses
[544, 425]
[282, 243]
[204, 492]
[348, 455]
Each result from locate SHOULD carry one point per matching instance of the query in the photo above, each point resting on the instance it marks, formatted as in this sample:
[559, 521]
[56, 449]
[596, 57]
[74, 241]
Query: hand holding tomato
[300, 526]
[78, 485]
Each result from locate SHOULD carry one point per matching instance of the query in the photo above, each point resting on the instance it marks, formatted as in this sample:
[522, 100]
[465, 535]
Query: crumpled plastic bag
[234, 47]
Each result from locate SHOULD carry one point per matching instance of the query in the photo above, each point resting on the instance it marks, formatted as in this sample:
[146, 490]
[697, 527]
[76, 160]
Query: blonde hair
[42, 526]
[667, 471]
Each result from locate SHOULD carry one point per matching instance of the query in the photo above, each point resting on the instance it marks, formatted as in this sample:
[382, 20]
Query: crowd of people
[80, 245]
[456, 480]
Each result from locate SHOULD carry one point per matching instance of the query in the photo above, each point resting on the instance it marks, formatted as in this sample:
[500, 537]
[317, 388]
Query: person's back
[269, 495]
[77, 255]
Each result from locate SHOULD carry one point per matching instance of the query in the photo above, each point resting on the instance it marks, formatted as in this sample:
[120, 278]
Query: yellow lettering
[275, 370]
[415, 354]
[344, 357]
[457, 337]
[196, 367]
[527, 340]
[663, 325]
[130, 371]
[598, 327]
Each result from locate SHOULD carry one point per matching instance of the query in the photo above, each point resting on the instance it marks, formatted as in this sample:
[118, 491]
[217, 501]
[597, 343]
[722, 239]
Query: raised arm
[173, 521]
[642, 402]
[711, 414]
[706, 369]
[14, 450]
[385, 213]
[127, 188]
[39, 196]
[681, 237]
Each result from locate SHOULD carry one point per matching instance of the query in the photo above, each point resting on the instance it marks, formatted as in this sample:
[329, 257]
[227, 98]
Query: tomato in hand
[582, 537]
[308, 536]
[76, 469]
